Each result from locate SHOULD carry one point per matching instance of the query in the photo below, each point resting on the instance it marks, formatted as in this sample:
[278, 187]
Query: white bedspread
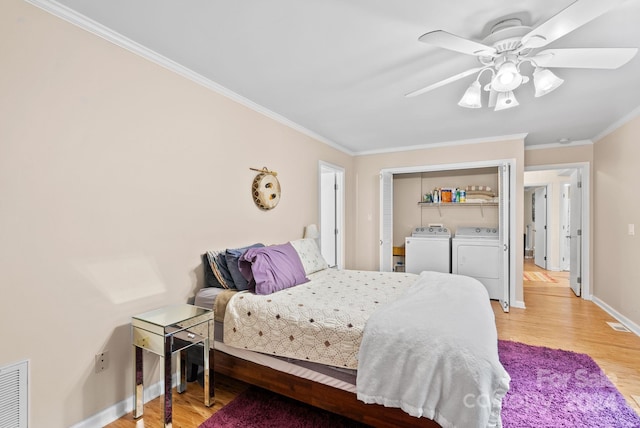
[434, 353]
[319, 321]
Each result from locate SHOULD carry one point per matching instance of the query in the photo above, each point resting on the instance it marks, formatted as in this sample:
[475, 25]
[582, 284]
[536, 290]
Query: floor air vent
[13, 395]
[618, 327]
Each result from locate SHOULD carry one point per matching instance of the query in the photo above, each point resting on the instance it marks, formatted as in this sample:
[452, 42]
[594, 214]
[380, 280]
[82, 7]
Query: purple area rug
[550, 388]
[258, 408]
[555, 388]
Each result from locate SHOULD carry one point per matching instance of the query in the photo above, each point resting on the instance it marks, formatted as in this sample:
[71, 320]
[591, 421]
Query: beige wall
[367, 233]
[115, 175]
[616, 178]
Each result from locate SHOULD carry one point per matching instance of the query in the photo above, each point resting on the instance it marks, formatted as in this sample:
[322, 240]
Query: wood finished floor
[554, 317]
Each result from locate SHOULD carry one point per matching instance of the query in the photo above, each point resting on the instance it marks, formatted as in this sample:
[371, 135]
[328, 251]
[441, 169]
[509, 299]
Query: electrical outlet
[102, 361]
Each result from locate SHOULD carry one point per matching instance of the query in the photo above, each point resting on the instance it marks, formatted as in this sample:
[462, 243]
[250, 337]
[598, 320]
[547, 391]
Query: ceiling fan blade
[456, 43]
[609, 58]
[444, 82]
[573, 16]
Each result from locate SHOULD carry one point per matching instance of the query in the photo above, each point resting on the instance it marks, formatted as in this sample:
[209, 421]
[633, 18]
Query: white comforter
[319, 321]
[434, 353]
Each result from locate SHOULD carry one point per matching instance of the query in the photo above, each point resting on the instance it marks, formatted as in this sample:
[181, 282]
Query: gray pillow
[232, 256]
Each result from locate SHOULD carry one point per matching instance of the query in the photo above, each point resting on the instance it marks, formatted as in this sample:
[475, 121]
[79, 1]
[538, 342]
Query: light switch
[631, 229]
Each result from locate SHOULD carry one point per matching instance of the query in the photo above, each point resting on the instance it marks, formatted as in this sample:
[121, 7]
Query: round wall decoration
[265, 189]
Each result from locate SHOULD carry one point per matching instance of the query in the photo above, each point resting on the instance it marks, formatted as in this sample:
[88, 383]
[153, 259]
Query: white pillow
[310, 256]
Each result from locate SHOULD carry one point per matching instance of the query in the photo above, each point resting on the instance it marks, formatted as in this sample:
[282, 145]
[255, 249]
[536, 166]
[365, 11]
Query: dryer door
[483, 262]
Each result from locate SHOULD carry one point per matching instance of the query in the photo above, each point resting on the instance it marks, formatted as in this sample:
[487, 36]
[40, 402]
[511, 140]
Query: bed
[385, 349]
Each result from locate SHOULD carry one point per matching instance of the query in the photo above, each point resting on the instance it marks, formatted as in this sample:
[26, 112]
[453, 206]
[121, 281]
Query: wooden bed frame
[316, 394]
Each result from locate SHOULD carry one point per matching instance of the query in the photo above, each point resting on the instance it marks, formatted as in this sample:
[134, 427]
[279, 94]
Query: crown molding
[559, 145]
[618, 124]
[444, 144]
[63, 12]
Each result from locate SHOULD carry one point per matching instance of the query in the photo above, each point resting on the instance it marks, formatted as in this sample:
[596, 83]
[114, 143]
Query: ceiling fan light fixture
[506, 100]
[472, 97]
[545, 81]
[507, 78]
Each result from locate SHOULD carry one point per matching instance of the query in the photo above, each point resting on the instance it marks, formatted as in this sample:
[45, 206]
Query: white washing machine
[428, 248]
[476, 252]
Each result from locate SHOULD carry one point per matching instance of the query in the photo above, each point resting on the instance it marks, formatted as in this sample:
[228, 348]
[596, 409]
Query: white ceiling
[340, 68]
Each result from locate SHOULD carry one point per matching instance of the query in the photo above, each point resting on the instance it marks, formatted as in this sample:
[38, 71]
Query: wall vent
[618, 327]
[13, 395]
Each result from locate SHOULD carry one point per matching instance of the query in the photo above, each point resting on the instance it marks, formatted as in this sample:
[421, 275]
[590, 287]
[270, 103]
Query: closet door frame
[386, 214]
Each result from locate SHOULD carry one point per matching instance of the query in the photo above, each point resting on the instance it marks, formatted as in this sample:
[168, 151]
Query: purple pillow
[232, 256]
[272, 268]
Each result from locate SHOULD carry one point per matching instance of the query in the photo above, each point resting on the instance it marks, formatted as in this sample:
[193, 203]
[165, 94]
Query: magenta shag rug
[550, 388]
[258, 408]
[554, 388]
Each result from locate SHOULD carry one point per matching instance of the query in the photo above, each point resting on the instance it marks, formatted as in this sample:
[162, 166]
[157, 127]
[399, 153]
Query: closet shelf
[458, 204]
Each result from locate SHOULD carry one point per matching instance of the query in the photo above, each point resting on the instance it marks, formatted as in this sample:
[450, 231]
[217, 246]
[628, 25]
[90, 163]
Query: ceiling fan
[511, 44]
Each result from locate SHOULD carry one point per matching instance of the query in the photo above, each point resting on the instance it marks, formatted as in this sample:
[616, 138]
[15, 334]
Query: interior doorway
[556, 225]
[331, 179]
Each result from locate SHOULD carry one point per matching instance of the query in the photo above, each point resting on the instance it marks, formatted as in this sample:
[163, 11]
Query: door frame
[339, 208]
[511, 220]
[565, 218]
[547, 208]
[585, 245]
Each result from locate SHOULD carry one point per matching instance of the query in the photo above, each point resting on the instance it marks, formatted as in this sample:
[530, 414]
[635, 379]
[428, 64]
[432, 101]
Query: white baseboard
[618, 316]
[118, 410]
[519, 304]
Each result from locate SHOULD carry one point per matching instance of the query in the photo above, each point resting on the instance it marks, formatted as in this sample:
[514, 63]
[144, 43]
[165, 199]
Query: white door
[565, 235]
[540, 228]
[386, 222]
[331, 213]
[575, 233]
[504, 183]
[328, 227]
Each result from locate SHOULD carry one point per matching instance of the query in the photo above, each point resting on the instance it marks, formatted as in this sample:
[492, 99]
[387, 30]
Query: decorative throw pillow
[273, 268]
[220, 270]
[232, 256]
[310, 255]
[210, 279]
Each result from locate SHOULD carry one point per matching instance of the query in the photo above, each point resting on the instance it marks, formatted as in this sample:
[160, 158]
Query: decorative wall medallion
[265, 189]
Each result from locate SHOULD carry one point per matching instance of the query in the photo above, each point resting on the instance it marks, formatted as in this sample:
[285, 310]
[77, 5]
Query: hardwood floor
[554, 318]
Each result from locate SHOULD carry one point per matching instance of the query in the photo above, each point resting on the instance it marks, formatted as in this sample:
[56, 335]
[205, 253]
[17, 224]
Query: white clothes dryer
[476, 252]
[428, 248]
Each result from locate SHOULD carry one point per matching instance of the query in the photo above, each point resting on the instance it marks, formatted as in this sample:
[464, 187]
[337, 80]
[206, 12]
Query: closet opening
[453, 218]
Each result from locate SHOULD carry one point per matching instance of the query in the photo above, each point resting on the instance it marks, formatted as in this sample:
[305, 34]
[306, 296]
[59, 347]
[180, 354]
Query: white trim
[519, 304]
[618, 316]
[446, 166]
[443, 144]
[121, 408]
[618, 123]
[75, 18]
[559, 145]
[340, 171]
